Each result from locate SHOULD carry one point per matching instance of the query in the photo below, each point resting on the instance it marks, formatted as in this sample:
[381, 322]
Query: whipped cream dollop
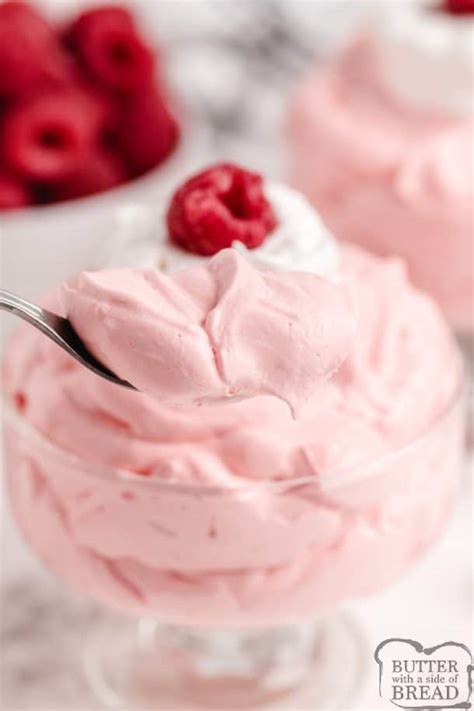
[219, 330]
[426, 55]
[299, 242]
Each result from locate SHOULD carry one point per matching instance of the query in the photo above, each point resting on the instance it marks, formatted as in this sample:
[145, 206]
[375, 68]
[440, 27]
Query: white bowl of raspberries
[87, 124]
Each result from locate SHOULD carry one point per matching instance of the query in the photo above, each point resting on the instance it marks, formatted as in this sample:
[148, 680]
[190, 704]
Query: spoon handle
[59, 330]
[41, 319]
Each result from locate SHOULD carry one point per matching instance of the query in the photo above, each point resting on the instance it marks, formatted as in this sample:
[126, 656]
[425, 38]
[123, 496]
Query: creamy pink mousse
[199, 515]
[215, 331]
[392, 177]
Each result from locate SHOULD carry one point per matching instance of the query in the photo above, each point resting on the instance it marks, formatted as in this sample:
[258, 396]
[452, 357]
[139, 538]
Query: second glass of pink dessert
[381, 140]
[295, 442]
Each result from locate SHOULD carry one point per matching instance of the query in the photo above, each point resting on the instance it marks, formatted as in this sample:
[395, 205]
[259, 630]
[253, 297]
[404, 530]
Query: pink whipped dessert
[227, 508]
[381, 140]
[215, 332]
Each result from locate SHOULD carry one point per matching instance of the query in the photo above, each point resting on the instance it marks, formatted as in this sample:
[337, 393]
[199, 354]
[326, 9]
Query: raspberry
[107, 15]
[222, 204]
[108, 111]
[97, 172]
[13, 193]
[29, 53]
[111, 50]
[43, 193]
[149, 132]
[459, 7]
[46, 137]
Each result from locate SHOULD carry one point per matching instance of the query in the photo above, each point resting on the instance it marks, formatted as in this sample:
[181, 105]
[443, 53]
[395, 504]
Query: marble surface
[259, 48]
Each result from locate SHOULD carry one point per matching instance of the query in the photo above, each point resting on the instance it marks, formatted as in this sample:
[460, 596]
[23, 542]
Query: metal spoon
[59, 330]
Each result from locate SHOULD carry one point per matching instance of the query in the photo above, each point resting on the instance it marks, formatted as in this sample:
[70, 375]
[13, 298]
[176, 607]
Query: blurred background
[232, 64]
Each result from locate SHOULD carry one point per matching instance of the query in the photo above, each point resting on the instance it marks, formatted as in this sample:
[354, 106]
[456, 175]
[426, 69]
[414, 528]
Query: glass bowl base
[146, 665]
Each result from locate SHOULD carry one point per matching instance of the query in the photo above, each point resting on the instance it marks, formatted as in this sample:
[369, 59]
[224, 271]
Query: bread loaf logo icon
[414, 677]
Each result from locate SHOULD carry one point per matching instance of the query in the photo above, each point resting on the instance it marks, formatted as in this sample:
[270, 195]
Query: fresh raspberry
[110, 49]
[43, 193]
[109, 111]
[46, 137]
[222, 204]
[459, 7]
[98, 172]
[149, 132]
[106, 15]
[30, 55]
[13, 193]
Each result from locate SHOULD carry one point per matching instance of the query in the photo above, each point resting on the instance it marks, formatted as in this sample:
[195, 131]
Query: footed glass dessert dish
[231, 593]
[294, 443]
